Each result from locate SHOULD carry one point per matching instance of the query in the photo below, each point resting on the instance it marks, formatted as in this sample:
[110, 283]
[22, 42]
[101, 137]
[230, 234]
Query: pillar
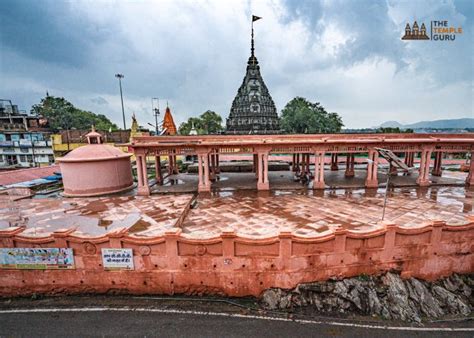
[423, 176]
[437, 164]
[204, 184]
[318, 181]
[308, 161]
[212, 166]
[255, 165]
[334, 166]
[158, 174]
[143, 187]
[349, 166]
[293, 163]
[263, 183]
[470, 176]
[372, 165]
[297, 168]
[407, 158]
[303, 164]
[170, 164]
[218, 168]
[175, 163]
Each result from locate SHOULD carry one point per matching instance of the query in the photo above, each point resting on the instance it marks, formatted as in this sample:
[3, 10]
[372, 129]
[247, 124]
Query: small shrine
[95, 169]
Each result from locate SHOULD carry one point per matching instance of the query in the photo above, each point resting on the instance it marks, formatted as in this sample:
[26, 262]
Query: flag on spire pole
[255, 18]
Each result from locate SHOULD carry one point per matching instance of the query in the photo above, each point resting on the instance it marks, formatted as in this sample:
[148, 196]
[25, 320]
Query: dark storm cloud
[48, 31]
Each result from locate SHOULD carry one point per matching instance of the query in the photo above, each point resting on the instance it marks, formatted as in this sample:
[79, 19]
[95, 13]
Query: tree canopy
[303, 117]
[61, 114]
[208, 122]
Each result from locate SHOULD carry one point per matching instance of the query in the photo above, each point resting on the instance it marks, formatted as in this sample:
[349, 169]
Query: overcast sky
[347, 55]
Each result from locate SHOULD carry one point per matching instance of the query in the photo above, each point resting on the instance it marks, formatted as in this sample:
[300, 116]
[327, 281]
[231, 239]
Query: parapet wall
[237, 266]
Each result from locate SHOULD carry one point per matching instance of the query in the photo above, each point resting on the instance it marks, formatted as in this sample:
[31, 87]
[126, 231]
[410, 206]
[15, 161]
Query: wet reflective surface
[143, 216]
[248, 212]
[308, 213]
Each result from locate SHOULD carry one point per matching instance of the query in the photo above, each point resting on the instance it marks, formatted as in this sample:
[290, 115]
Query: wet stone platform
[92, 217]
[248, 213]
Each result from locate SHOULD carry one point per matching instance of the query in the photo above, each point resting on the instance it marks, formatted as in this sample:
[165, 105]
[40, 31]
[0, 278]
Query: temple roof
[168, 127]
[253, 110]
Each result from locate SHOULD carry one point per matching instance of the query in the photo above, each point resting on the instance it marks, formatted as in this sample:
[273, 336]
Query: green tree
[303, 117]
[61, 114]
[208, 122]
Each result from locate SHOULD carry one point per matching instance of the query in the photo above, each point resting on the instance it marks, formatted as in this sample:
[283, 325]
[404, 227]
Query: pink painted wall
[96, 177]
[238, 266]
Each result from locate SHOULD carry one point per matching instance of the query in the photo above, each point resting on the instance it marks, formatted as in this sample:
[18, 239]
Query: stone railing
[236, 266]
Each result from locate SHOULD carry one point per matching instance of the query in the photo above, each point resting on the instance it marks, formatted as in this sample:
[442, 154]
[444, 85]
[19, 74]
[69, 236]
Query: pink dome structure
[95, 169]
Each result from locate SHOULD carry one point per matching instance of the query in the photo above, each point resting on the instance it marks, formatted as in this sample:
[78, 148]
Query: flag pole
[252, 46]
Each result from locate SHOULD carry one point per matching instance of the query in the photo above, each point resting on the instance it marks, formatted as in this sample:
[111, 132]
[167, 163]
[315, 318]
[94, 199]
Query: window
[1, 158]
[22, 158]
[11, 159]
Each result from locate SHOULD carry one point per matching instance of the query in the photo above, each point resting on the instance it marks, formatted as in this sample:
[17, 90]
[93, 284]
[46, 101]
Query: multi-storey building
[24, 139]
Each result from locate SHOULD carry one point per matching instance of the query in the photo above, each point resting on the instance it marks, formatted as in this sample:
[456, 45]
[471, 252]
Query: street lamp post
[156, 113]
[120, 77]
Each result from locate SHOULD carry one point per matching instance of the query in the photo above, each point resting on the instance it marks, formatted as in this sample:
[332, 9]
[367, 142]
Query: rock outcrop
[387, 296]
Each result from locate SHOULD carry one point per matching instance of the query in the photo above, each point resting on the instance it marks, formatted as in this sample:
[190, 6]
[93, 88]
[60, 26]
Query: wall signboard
[117, 259]
[36, 258]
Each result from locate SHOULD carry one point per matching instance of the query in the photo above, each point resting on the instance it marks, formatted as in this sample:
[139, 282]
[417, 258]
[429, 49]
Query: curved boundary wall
[236, 266]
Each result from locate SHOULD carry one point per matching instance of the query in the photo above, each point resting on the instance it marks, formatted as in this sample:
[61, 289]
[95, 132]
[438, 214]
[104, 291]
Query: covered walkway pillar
[318, 181]
[423, 176]
[262, 167]
[470, 176]
[372, 165]
[142, 177]
[349, 166]
[334, 165]
[204, 183]
[437, 164]
[158, 173]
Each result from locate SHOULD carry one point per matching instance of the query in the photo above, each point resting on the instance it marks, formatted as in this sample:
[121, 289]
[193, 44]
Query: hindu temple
[253, 110]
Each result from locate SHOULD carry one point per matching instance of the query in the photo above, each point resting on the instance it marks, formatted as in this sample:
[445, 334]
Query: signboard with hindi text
[36, 258]
[117, 259]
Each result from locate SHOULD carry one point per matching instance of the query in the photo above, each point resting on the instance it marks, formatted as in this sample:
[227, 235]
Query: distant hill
[437, 124]
[391, 124]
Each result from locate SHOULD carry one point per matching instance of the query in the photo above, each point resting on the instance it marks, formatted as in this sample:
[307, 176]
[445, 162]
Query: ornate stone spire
[253, 110]
[169, 128]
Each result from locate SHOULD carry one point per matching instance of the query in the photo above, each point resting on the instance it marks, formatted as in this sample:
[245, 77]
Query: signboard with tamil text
[117, 259]
[36, 258]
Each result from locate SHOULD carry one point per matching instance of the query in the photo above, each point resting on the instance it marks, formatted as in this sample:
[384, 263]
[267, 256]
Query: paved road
[156, 322]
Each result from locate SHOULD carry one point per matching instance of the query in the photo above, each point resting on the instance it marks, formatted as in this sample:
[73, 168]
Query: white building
[24, 139]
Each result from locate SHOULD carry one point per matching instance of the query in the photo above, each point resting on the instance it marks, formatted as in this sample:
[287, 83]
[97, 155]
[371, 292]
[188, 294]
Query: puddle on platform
[172, 181]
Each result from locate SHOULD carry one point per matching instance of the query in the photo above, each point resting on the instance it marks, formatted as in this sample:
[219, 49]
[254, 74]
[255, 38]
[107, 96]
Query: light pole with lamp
[120, 77]
[156, 113]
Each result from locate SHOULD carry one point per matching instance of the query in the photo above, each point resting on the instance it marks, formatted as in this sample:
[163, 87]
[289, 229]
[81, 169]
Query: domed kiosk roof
[94, 151]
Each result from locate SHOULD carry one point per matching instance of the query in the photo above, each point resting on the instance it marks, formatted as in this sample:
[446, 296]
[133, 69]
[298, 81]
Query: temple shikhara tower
[253, 110]
[168, 128]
